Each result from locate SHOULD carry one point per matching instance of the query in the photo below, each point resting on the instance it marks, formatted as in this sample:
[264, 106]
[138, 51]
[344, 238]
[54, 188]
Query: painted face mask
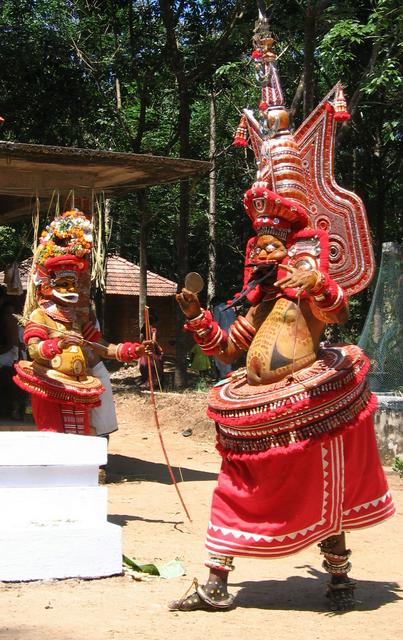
[267, 249]
[64, 288]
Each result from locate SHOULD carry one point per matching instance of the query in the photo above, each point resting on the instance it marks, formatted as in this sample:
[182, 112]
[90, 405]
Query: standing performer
[63, 338]
[294, 428]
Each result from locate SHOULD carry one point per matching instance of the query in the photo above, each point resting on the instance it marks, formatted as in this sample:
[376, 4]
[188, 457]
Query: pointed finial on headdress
[273, 116]
[340, 106]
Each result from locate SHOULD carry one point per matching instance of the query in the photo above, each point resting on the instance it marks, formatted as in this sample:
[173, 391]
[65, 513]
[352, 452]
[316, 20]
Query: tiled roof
[122, 278]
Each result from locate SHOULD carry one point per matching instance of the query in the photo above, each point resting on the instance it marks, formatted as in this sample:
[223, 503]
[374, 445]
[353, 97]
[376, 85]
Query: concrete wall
[389, 427]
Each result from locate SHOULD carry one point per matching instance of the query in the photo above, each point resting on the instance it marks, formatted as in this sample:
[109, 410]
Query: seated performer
[64, 342]
[294, 428]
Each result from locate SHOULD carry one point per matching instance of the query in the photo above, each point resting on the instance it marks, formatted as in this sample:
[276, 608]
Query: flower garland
[70, 233]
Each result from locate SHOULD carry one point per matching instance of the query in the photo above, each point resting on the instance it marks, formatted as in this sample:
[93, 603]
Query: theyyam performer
[70, 387]
[295, 426]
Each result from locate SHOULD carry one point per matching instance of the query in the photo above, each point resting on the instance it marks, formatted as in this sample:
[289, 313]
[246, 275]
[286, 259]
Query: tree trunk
[211, 258]
[145, 221]
[180, 380]
[309, 61]
[177, 64]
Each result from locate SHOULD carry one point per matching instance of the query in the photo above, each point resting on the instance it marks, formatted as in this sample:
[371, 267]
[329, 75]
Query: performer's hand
[68, 340]
[297, 279]
[145, 348]
[189, 303]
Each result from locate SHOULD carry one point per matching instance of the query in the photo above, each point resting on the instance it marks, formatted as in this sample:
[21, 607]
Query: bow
[156, 419]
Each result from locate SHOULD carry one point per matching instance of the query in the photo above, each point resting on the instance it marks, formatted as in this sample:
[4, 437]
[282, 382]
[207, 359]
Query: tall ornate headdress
[64, 248]
[295, 187]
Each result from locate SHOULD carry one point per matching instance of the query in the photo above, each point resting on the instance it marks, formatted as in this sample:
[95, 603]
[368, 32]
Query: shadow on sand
[125, 469]
[298, 593]
[123, 519]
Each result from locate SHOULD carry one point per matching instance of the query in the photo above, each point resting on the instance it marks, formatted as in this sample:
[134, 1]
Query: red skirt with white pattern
[298, 475]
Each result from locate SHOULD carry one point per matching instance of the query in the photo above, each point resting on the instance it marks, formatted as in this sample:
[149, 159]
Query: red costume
[300, 461]
[61, 333]
[294, 427]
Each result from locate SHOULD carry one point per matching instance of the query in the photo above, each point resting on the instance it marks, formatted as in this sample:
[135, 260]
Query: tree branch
[358, 93]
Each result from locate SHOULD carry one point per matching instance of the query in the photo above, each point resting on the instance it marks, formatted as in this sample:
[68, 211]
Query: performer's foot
[210, 597]
[340, 591]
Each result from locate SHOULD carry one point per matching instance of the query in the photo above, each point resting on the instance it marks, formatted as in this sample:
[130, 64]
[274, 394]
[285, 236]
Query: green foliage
[398, 466]
[9, 245]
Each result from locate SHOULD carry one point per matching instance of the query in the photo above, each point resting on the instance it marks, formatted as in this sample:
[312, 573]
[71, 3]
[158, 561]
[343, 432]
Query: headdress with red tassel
[295, 182]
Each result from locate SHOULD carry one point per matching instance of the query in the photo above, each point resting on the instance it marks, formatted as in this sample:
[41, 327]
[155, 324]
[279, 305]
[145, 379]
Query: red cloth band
[48, 349]
[33, 330]
[127, 351]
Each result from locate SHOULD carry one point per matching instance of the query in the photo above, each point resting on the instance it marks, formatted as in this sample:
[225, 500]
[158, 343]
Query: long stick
[157, 423]
[67, 333]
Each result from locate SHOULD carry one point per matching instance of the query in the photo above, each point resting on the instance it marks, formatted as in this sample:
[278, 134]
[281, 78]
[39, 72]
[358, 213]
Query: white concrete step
[46, 448]
[62, 551]
[49, 505]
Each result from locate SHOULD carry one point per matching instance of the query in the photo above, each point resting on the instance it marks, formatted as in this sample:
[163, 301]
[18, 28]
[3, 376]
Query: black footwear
[200, 601]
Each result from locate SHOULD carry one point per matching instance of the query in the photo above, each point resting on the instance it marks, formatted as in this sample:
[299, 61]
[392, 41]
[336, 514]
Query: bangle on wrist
[196, 318]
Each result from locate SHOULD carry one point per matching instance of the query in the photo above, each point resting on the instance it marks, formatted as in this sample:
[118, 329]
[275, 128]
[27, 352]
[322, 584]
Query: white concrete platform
[53, 513]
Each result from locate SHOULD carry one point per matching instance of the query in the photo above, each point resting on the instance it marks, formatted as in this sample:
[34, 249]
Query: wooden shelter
[31, 171]
[33, 176]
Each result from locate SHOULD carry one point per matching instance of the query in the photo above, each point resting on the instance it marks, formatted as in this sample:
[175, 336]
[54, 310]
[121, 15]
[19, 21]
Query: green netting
[382, 336]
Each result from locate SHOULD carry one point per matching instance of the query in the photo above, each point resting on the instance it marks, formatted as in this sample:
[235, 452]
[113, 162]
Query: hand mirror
[194, 282]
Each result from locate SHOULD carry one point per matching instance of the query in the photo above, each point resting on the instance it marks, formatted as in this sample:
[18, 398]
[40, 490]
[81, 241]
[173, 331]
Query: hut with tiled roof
[121, 309]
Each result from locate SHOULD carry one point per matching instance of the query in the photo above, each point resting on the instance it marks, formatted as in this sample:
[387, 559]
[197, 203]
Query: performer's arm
[213, 340]
[47, 348]
[327, 300]
[124, 351]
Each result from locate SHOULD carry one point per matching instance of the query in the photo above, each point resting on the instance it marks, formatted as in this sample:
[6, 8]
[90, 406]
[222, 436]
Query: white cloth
[103, 418]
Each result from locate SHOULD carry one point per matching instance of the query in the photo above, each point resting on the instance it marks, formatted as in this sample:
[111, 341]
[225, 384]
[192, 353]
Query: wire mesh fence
[382, 335]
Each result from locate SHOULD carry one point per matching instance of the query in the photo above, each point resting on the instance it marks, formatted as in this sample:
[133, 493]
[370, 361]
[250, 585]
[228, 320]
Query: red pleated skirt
[277, 502]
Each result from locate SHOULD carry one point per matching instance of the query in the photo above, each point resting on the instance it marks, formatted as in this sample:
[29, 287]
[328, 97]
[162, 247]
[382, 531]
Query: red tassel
[241, 134]
[340, 107]
[342, 116]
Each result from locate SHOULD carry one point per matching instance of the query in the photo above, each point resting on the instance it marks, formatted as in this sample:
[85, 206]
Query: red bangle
[321, 284]
[333, 298]
[201, 324]
[242, 333]
[33, 330]
[127, 351]
[215, 338]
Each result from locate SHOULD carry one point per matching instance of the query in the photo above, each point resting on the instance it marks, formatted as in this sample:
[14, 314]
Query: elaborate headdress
[295, 196]
[64, 249]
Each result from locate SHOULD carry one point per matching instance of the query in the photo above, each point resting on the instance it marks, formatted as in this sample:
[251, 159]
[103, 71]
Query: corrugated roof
[122, 278]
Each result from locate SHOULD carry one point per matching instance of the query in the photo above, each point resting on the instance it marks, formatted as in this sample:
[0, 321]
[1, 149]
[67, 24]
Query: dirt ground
[275, 598]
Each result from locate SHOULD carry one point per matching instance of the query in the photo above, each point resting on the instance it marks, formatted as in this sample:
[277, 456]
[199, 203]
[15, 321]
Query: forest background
[171, 78]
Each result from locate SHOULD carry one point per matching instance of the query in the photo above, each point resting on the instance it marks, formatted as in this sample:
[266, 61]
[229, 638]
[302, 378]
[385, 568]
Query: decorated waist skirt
[59, 402]
[275, 499]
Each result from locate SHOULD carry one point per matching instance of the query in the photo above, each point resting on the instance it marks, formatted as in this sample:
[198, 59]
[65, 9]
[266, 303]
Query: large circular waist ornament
[321, 398]
[58, 387]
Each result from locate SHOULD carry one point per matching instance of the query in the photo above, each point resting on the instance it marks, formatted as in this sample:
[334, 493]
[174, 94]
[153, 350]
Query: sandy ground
[275, 598]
